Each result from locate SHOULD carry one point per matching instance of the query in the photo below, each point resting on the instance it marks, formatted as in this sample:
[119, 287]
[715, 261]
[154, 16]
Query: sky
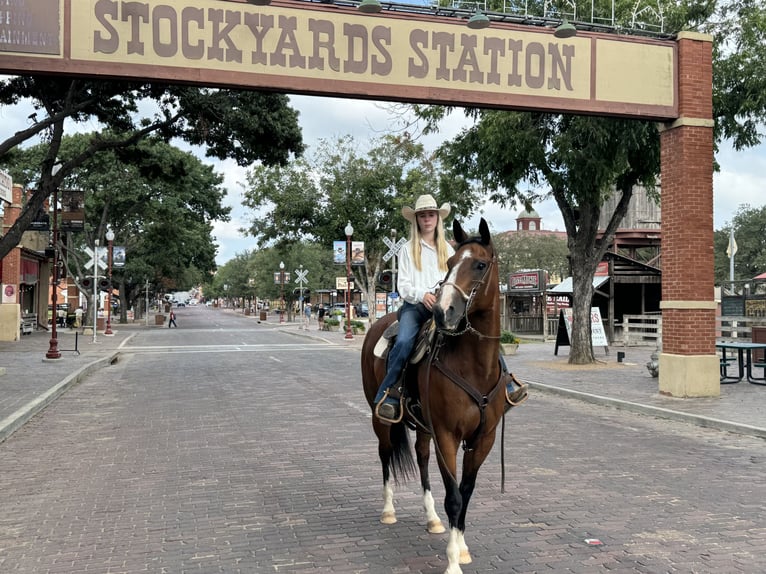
[741, 179]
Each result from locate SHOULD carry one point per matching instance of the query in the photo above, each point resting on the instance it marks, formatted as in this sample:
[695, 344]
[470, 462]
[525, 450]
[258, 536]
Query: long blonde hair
[439, 239]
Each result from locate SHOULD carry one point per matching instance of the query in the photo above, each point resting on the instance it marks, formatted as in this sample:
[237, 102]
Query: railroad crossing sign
[100, 252]
[300, 276]
[393, 248]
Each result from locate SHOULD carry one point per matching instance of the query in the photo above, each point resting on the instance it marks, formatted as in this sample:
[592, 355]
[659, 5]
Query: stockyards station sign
[317, 48]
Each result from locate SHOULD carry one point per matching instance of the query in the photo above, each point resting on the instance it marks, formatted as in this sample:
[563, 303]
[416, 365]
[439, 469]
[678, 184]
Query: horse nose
[446, 318]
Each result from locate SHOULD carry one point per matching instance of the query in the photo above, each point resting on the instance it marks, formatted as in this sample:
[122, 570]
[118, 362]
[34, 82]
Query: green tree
[581, 160]
[521, 250]
[749, 225]
[160, 202]
[244, 125]
[313, 198]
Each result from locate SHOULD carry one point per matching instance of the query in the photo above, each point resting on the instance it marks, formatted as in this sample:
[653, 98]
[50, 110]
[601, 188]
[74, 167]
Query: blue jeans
[411, 317]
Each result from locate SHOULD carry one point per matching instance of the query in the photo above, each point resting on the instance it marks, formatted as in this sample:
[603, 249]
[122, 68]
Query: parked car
[362, 310]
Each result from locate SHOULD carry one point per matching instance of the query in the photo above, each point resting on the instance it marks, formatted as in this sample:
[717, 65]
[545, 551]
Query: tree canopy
[313, 198]
[242, 125]
[749, 227]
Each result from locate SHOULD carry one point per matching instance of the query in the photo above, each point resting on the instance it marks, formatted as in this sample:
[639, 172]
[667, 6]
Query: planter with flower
[509, 343]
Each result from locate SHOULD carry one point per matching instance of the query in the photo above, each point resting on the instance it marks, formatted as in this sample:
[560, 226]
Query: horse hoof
[435, 527]
[388, 518]
[465, 557]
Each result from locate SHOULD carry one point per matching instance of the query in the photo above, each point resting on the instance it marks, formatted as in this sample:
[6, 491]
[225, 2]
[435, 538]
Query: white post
[146, 309]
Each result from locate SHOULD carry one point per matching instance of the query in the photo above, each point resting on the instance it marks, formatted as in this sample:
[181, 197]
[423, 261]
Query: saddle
[409, 398]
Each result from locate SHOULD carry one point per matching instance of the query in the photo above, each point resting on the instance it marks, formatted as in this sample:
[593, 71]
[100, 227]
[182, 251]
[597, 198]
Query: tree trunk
[581, 347]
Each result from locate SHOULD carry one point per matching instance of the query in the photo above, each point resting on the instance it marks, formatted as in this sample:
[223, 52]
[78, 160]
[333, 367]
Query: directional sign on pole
[394, 248]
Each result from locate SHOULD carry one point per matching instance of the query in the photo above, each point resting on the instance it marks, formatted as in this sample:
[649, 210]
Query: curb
[657, 412]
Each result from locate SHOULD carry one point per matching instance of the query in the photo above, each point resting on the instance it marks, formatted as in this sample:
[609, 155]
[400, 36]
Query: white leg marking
[434, 523]
[465, 555]
[453, 553]
[388, 516]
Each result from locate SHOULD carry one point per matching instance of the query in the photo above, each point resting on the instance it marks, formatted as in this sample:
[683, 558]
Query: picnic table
[744, 360]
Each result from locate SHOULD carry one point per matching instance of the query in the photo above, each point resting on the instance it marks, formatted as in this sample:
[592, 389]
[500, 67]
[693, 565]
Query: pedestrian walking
[320, 317]
[307, 315]
[78, 317]
[172, 320]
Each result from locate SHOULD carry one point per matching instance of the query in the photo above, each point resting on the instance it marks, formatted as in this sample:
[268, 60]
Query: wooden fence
[642, 330]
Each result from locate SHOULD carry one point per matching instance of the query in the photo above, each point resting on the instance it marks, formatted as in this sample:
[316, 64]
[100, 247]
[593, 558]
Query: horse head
[471, 284]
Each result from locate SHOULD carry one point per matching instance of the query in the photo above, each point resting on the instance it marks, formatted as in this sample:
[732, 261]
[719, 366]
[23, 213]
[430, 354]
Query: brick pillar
[12, 262]
[688, 363]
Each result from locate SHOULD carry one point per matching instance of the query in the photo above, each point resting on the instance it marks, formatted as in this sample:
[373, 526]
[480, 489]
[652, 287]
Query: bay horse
[460, 385]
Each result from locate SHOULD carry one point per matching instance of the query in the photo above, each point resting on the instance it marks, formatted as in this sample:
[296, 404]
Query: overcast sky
[741, 180]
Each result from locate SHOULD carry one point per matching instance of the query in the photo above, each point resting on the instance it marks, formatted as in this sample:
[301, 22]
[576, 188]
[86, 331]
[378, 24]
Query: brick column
[688, 362]
[12, 262]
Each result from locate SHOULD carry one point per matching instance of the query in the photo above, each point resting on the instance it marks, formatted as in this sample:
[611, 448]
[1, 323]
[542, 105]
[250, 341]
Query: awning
[566, 285]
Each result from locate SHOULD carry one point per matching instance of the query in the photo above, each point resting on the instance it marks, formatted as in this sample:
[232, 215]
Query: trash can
[263, 315]
[101, 324]
[159, 319]
[758, 335]
[247, 311]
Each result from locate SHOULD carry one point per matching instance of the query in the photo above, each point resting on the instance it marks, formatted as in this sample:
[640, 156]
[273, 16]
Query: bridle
[468, 298]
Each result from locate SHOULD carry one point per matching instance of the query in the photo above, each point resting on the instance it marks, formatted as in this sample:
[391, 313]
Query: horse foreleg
[457, 553]
[423, 452]
[472, 461]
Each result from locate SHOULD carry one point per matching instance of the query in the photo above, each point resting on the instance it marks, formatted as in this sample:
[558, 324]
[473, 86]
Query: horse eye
[481, 265]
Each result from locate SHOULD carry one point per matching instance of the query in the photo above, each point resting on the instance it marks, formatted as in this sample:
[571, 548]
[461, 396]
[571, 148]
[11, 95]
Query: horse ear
[486, 238]
[457, 231]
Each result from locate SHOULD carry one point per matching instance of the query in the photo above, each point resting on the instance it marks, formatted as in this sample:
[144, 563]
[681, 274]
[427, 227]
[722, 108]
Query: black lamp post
[110, 239]
[349, 232]
[53, 345]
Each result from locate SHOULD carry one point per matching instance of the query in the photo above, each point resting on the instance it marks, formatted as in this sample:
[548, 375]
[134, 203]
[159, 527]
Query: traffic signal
[87, 283]
[103, 284]
[386, 279]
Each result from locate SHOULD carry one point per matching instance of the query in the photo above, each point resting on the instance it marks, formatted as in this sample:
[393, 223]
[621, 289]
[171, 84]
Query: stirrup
[386, 419]
[519, 395]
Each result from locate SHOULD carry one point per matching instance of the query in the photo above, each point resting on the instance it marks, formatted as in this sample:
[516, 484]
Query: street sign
[394, 248]
[301, 276]
[393, 295]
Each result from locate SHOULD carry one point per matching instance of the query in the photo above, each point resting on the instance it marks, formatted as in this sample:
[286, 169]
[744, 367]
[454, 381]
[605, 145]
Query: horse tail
[402, 464]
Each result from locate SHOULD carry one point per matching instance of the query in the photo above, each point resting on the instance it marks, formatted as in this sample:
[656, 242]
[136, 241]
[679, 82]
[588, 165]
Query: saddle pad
[380, 348]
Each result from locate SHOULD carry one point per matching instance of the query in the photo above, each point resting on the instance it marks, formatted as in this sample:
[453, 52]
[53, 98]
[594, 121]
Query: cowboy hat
[425, 203]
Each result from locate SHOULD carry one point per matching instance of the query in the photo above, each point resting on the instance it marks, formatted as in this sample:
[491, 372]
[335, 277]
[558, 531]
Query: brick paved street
[252, 452]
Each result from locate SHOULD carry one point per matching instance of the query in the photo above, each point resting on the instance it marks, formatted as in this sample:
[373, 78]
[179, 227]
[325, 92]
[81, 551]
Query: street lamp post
[53, 345]
[349, 232]
[110, 240]
[282, 290]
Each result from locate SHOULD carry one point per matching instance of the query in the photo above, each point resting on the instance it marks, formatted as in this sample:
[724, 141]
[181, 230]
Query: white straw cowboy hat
[425, 203]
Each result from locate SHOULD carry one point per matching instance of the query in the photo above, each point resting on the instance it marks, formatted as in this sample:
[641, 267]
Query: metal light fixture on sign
[259, 2]
[565, 30]
[478, 21]
[370, 6]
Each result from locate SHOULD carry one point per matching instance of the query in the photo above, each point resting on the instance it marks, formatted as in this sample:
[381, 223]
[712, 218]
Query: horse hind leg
[396, 462]
[434, 524]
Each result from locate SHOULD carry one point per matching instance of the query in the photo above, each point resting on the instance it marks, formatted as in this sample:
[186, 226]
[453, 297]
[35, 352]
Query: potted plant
[357, 327]
[331, 324]
[509, 343]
